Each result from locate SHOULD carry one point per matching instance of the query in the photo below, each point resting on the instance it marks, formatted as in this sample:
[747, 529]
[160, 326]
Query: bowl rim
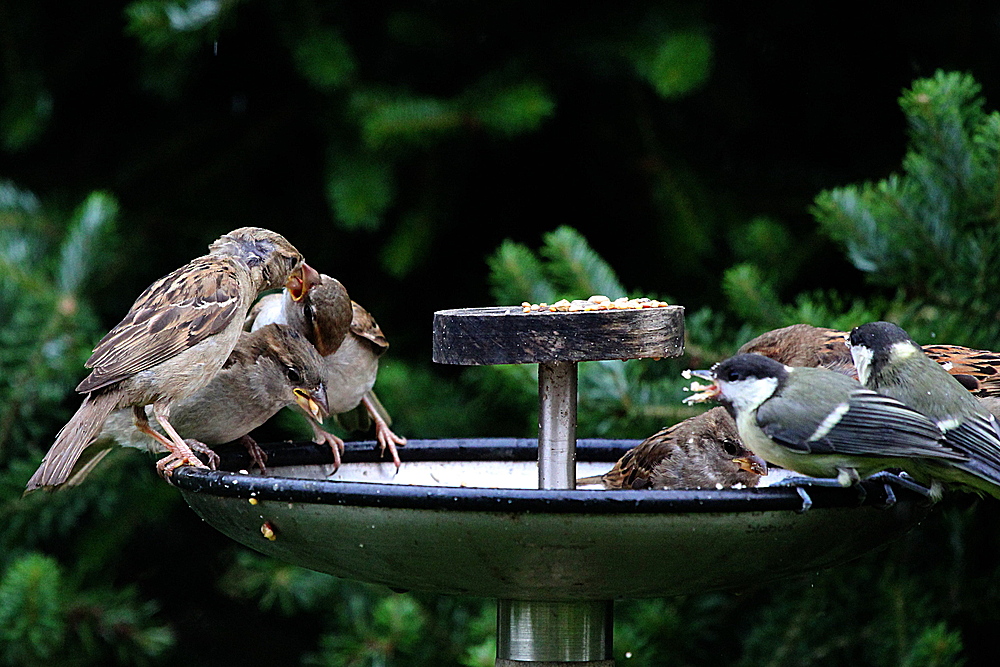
[227, 484]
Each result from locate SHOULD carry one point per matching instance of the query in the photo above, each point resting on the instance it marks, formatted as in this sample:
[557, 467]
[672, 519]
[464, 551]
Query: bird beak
[753, 464]
[301, 281]
[313, 402]
[702, 392]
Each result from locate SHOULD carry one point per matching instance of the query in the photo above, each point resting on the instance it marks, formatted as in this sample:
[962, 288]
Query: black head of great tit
[890, 362]
[820, 423]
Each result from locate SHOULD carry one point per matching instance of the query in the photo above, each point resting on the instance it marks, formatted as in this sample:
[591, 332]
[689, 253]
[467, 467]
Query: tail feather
[585, 481]
[80, 431]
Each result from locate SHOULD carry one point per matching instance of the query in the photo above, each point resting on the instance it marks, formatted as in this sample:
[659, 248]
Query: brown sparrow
[172, 342]
[702, 452]
[269, 369]
[805, 345]
[351, 343]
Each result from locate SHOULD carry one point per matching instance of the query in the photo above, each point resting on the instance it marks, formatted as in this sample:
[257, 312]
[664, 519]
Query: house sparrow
[172, 342]
[702, 452]
[890, 362]
[806, 345]
[821, 423]
[351, 343]
[269, 369]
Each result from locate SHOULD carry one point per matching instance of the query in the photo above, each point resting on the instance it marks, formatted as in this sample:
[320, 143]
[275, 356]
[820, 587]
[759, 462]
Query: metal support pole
[533, 633]
[557, 382]
[538, 634]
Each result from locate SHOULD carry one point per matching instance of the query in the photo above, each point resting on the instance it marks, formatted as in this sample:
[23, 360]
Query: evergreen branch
[576, 269]
[516, 275]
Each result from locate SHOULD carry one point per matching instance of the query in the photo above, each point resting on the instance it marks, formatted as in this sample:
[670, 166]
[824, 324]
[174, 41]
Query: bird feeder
[501, 518]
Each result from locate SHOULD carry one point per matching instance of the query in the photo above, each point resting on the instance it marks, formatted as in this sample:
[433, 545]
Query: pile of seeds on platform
[597, 302]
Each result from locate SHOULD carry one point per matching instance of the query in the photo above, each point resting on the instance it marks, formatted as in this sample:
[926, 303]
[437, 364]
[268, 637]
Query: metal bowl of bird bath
[501, 517]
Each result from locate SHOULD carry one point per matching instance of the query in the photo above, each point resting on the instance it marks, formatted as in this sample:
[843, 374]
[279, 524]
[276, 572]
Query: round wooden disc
[508, 335]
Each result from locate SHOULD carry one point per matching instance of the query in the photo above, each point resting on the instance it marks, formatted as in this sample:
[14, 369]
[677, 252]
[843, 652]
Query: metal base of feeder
[530, 632]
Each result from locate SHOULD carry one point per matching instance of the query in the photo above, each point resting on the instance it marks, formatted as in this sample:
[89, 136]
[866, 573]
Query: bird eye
[732, 376]
[731, 447]
[293, 375]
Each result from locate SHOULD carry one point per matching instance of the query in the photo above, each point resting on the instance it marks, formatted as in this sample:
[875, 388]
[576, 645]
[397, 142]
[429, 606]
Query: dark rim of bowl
[226, 484]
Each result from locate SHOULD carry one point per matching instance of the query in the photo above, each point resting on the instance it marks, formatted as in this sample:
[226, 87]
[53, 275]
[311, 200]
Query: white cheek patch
[829, 422]
[862, 362]
[746, 395]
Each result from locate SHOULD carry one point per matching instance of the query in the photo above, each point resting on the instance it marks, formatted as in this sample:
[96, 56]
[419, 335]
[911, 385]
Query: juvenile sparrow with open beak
[172, 342]
[351, 343]
[890, 362]
[701, 452]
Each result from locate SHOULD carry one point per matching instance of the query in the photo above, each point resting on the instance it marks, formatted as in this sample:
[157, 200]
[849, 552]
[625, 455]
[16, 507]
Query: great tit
[890, 362]
[819, 422]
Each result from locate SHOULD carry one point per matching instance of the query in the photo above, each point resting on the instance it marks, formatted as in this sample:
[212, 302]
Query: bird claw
[257, 455]
[208, 452]
[171, 462]
[386, 438]
[807, 502]
[336, 445]
[903, 481]
[799, 482]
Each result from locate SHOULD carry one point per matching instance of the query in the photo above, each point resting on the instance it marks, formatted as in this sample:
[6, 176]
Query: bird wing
[173, 314]
[634, 469]
[867, 424]
[365, 326]
[978, 436]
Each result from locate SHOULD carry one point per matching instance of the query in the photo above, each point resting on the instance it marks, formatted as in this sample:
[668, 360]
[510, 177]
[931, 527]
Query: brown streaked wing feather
[364, 325]
[634, 469]
[173, 314]
[981, 367]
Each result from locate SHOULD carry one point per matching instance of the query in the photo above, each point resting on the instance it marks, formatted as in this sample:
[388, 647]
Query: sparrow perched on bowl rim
[269, 369]
[351, 343]
[173, 340]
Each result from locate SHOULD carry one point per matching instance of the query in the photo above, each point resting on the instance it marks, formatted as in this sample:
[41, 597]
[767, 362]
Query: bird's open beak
[702, 392]
[313, 402]
[752, 463]
[301, 281]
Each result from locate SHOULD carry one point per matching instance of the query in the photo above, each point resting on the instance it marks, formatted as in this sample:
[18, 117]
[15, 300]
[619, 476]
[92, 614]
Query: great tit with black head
[819, 422]
[890, 362]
